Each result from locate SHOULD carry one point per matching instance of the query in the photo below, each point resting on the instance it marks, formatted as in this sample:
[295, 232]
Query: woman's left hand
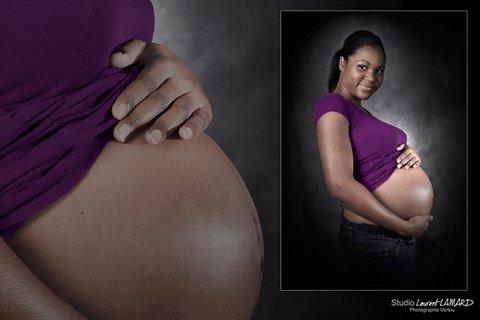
[165, 91]
[409, 157]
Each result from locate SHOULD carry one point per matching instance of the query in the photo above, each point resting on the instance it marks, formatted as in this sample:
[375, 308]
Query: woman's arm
[337, 162]
[23, 296]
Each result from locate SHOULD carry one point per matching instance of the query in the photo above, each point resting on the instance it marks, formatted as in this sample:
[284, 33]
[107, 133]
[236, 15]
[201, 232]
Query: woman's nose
[370, 76]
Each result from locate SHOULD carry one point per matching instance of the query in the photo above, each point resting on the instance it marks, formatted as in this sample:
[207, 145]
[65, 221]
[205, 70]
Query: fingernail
[155, 136]
[431, 218]
[122, 132]
[121, 110]
[399, 166]
[186, 133]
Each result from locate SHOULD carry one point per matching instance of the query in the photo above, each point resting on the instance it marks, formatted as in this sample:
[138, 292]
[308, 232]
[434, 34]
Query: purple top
[374, 142]
[56, 94]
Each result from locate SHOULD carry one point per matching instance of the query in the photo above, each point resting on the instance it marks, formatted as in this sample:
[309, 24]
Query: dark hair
[352, 43]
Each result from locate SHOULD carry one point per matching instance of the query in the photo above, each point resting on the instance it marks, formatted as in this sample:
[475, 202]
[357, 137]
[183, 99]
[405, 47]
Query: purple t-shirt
[56, 94]
[374, 142]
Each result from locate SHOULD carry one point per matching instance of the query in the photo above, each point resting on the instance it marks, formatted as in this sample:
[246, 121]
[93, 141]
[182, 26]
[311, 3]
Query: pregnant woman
[371, 171]
[93, 228]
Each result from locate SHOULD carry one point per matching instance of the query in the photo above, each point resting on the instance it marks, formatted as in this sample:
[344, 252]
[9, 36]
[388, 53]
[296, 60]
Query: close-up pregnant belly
[407, 193]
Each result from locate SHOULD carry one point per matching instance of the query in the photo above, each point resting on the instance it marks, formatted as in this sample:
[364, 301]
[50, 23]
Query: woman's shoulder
[332, 99]
[332, 102]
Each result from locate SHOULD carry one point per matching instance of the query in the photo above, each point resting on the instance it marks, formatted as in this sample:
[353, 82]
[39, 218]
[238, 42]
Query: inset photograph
[374, 144]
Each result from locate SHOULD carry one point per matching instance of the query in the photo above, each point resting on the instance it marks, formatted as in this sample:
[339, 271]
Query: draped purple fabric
[56, 94]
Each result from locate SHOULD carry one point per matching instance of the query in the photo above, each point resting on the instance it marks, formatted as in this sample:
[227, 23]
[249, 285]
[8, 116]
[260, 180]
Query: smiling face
[361, 74]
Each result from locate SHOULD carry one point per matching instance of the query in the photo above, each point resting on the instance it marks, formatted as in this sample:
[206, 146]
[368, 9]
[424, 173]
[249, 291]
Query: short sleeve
[331, 102]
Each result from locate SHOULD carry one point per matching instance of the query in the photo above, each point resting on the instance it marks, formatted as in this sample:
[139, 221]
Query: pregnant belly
[408, 192]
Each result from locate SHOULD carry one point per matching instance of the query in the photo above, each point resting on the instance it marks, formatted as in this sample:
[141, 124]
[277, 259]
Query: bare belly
[166, 231]
[407, 193]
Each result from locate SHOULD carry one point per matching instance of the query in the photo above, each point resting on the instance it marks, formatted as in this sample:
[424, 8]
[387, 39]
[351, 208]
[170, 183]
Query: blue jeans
[377, 258]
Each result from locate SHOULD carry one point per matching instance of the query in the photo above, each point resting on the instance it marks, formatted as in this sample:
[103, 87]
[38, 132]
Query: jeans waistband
[372, 229]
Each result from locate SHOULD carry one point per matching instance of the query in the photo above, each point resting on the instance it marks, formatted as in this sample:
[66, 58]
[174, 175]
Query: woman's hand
[165, 91]
[409, 157]
[417, 225]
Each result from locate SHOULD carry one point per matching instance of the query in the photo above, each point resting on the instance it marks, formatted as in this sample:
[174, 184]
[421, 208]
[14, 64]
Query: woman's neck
[357, 102]
[347, 96]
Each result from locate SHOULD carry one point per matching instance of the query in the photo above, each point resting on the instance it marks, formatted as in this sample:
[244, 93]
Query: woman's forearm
[24, 296]
[358, 199]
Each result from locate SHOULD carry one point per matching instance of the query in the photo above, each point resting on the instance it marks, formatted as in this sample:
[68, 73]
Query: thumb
[128, 54]
[401, 146]
[427, 221]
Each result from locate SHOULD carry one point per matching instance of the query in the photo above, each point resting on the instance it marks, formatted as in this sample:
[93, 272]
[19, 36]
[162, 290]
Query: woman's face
[362, 74]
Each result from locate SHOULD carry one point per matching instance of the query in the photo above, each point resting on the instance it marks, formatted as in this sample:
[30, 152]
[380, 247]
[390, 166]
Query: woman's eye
[362, 67]
[380, 71]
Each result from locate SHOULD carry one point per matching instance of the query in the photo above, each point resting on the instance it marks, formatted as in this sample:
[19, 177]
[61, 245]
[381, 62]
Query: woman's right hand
[417, 225]
[409, 157]
[166, 95]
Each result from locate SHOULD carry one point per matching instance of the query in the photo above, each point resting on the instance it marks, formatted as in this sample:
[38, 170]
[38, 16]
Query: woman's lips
[370, 88]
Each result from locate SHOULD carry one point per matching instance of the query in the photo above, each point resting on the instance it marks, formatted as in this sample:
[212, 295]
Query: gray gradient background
[234, 48]
[424, 93]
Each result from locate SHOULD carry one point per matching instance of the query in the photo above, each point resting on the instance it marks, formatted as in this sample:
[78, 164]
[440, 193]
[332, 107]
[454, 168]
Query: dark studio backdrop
[424, 93]
[234, 48]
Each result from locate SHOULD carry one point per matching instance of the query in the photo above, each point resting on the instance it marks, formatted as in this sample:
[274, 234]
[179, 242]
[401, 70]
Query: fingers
[418, 225]
[165, 89]
[157, 65]
[127, 54]
[196, 124]
[150, 108]
[409, 158]
[427, 221]
[190, 110]
[146, 83]
[424, 226]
